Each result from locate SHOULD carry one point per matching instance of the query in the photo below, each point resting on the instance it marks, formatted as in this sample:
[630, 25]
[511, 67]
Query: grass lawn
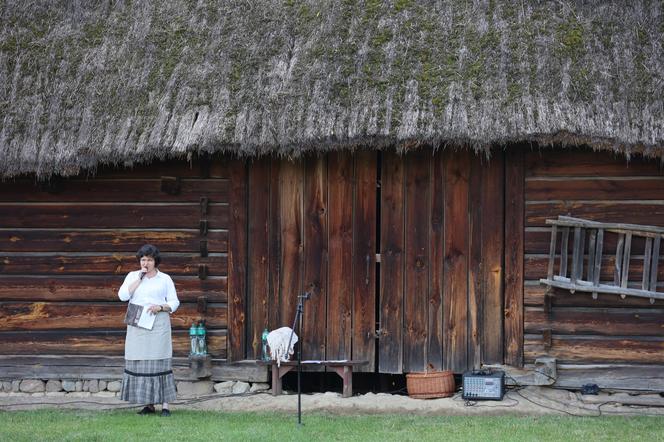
[186, 425]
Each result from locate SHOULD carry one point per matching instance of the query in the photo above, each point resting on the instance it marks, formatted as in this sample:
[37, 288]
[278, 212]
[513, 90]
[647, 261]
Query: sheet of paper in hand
[139, 316]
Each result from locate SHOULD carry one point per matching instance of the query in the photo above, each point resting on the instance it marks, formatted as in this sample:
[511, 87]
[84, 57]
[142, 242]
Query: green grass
[189, 425]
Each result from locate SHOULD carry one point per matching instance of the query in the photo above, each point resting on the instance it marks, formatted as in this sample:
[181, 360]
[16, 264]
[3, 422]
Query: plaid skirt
[148, 382]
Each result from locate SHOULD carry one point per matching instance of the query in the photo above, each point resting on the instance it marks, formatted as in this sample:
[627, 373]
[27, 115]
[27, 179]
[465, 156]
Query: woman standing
[148, 376]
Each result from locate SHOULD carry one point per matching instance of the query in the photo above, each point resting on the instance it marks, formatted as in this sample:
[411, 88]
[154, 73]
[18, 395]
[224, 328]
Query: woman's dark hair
[151, 251]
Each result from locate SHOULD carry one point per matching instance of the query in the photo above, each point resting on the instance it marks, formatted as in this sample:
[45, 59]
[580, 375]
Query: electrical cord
[520, 387]
[126, 407]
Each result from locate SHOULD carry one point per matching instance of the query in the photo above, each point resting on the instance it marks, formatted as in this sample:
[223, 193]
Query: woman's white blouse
[156, 290]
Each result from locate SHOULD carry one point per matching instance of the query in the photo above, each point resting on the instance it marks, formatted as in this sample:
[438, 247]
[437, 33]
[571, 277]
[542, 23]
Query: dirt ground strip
[535, 401]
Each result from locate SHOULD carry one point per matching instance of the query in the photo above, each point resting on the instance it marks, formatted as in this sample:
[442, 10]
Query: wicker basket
[430, 385]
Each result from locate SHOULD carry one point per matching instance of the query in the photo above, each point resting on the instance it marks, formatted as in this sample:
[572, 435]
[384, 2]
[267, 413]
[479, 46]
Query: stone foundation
[112, 387]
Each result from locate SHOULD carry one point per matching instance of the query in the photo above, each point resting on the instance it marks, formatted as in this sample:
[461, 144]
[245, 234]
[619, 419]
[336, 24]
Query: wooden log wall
[67, 244]
[574, 328]
[404, 255]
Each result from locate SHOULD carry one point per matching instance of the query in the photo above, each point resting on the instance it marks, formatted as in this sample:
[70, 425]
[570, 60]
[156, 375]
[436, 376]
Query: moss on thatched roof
[87, 82]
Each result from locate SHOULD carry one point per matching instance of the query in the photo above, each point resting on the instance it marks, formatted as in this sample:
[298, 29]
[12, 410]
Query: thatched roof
[91, 82]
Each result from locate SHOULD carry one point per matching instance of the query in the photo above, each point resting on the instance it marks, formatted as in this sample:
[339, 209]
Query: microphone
[142, 275]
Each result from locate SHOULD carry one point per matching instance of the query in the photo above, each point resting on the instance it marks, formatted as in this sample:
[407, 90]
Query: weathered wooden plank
[552, 251]
[577, 255]
[315, 257]
[112, 367]
[582, 247]
[436, 274]
[604, 288]
[475, 216]
[654, 276]
[237, 262]
[569, 349]
[626, 260]
[247, 371]
[258, 265]
[600, 188]
[639, 229]
[514, 262]
[417, 175]
[585, 162]
[100, 288]
[634, 212]
[109, 343]
[390, 344]
[595, 321]
[592, 248]
[607, 377]
[93, 264]
[538, 240]
[364, 260]
[217, 166]
[534, 296]
[536, 268]
[110, 216]
[340, 278]
[94, 316]
[115, 190]
[111, 241]
[596, 262]
[455, 291]
[563, 251]
[493, 196]
[647, 264]
[291, 237]
[274, 249]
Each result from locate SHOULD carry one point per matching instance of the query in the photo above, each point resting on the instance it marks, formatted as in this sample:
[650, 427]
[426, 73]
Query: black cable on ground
[127, 406]
[520, 387]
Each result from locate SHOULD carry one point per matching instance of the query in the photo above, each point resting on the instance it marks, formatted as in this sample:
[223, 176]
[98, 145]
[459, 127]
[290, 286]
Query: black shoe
[147, 410]
[165, 412]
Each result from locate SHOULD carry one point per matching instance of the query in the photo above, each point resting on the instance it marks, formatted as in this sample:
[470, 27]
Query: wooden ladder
[594, 231]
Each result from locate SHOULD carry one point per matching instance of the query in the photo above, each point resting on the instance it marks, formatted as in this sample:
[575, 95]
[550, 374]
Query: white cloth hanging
[277, 340]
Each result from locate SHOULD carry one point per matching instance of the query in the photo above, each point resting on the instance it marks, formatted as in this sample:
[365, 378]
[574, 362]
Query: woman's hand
[154, 309]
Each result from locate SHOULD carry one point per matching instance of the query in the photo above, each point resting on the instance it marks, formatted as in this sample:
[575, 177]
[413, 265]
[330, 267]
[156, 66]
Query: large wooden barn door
[441, 252]
[311, 228]
[403, 255]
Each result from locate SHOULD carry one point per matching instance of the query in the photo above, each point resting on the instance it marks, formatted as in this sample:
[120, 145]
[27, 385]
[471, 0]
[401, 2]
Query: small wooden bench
[342, 368]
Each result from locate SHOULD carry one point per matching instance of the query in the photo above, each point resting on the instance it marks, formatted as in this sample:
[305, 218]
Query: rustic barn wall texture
[575, 328]
[67, 244]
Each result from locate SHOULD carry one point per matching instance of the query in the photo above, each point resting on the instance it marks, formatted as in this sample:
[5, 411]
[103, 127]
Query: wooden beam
[514, 230]
[563, 251]
[364, 255]
[112, 367]
[237, 262]
[654, 264]
[315, 271]
[455, 289]
[552, 252]
[612, 376]
[493, 231]
[340, 245]
[597, 265]
[258, 242]
[390, 344]
[417, 180]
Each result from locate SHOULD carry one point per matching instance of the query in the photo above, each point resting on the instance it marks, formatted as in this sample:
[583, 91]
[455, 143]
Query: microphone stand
[299, 313]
